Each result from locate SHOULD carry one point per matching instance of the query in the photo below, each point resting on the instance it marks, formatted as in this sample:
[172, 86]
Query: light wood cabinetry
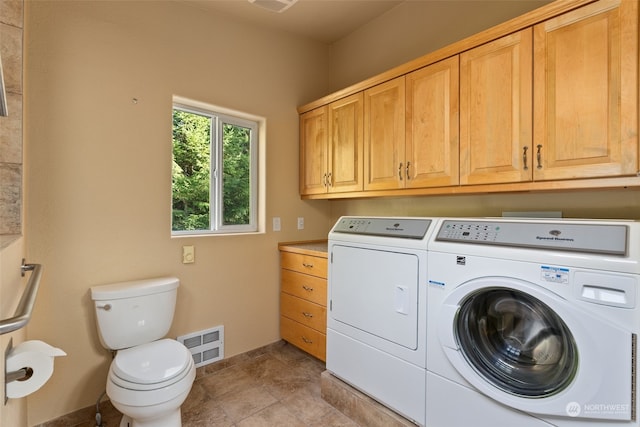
[585, 92]
[331, 139]
[313, 151]
[303, 296]
[411, 129]
[495, 111]
[432, 137]
[384, 135]
[547, 101]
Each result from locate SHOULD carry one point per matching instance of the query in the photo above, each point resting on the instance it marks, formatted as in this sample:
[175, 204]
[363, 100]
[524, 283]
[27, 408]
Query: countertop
[308, 247]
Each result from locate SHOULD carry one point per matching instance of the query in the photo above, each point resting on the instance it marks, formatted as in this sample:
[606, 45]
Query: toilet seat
[151, 366]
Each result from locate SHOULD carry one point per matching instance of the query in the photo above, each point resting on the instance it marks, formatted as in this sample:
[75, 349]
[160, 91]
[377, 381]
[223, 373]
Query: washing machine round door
[516, 342]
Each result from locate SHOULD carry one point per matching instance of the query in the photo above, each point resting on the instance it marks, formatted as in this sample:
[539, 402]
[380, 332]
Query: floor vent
[205, 346]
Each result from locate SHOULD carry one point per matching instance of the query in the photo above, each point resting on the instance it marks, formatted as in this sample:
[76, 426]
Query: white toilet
[149, 377]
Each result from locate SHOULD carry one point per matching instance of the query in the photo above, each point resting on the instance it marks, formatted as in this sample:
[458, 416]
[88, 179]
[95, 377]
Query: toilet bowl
[150, 382]
[150, 377]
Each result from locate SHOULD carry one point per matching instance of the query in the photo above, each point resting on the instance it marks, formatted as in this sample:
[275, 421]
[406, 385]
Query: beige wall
[98, 183]
[415, 28]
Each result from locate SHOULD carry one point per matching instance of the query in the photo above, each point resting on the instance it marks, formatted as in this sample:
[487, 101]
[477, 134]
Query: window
[214, 170]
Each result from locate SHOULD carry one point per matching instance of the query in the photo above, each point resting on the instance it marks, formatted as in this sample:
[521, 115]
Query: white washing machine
[532, 323]
[376, 320]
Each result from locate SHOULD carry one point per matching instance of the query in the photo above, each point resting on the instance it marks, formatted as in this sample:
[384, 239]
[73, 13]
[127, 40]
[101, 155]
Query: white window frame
[257, 124]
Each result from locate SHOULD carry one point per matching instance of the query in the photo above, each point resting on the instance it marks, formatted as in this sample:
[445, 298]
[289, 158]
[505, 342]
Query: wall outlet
[300, 223]
[276, 223]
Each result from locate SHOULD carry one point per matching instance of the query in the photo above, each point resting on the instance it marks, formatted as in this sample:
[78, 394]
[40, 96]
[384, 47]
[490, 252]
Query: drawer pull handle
[307, 265]
[308, 341]
[307, 315]
[307, 288]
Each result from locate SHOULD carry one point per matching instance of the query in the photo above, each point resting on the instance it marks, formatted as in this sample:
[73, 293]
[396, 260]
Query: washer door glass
[516, 342]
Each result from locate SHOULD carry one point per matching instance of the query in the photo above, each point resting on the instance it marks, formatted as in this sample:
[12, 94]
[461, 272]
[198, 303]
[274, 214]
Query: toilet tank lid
[134, 288]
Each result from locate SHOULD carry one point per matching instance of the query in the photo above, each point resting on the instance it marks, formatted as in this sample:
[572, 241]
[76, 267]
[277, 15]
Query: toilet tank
[135, 312]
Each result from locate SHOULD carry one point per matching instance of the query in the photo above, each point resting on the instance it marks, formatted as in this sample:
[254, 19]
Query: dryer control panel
[587, 237]
[410, 228]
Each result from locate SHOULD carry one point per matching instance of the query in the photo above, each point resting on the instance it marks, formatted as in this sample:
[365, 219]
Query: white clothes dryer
[532, 323]
[376, 319]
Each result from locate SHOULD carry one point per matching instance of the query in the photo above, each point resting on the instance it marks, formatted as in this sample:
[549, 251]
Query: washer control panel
[410, 228]
[587, 237]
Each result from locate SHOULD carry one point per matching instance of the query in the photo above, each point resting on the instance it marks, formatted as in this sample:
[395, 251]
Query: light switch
[188, 255]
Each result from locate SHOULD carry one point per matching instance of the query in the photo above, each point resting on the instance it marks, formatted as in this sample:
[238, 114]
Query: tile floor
[277, 385]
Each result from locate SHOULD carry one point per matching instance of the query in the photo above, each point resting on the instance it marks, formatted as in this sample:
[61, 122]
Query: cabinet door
[585, 88]
[345, 144]
[495, 111]
[432, 141]
[384, 134]
[313, 151]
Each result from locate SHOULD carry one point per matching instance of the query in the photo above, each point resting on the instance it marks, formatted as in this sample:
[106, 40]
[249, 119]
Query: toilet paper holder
[19, 375]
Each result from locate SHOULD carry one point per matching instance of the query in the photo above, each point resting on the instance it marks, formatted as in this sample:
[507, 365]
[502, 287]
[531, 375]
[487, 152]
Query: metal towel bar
[28, 299]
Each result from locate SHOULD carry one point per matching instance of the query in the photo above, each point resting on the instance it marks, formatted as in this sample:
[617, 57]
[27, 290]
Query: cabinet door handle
[400, 171]
[524, 157]
[329, 180]
[307, 288]
[407, 171]
[308, 341]
[539, 156]
[324, 180]
[307, 315]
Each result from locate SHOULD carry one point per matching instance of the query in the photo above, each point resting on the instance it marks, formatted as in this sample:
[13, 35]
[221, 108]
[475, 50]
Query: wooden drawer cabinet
[302, 311]
[307, 264]
[303, 337]
[304, 286]
[303, 296]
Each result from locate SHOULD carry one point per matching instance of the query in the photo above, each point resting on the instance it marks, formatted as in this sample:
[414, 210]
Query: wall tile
[11, 131]
[11, 12]
[11, 53]
[10, 198]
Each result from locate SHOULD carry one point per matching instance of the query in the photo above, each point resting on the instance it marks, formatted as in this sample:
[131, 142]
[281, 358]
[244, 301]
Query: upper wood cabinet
[331, 139]
[495, 111]
[432, 137]
[345, 144]
[313, 151]
[384, 133]
[585, 92]
[411, 129]
[546, 101]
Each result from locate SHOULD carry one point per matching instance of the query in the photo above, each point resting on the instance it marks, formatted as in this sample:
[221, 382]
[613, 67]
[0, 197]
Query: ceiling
[322, 20]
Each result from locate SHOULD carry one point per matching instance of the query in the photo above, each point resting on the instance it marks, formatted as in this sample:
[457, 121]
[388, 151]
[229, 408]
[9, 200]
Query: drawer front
[306, 264]
[304, 286]
[303, 337]
[303, 311]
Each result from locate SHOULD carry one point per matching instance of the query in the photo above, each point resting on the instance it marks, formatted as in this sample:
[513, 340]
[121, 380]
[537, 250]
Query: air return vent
[205, 346]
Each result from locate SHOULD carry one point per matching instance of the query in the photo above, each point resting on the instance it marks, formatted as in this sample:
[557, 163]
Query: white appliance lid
[154, 362]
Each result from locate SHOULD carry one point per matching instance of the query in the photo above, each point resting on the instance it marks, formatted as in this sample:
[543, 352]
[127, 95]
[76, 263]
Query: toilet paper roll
[38, 356]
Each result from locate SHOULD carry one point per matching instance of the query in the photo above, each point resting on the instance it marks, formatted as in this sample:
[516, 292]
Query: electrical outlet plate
[276, 223]
[188, 255]
[300, 223]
